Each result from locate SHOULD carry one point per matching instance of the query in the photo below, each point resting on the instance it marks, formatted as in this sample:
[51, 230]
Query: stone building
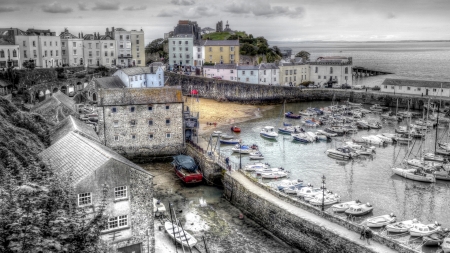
[55, 107]
[140, 77]
[332, 70]
[219, 26]
[142, 123]
[91, 90]
[98, 173]
[71, 49]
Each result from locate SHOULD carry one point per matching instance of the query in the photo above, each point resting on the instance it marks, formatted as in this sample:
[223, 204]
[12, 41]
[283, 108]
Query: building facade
[100, 173]
[142, 123]
[197, 54]
[10, 55]
[292, 73]
[99, 50]
[41, 46]
[334, 71]
[416, 87]
[248, 74]
[137, 48]
[130, 47]
[71, 49]
[222, 71]
[268, 73]
[140, 77]
[181, 51]
[221, 51]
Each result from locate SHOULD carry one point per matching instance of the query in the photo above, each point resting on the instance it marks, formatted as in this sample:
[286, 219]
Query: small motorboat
[255, 166]
[343, 153]
[360, 149]
[341, 207]
[359, 210]
[243, 149]
[362, 124]
[186, 169]
[258, 172]
[216, 133]
[254, 156]
[287, 183]
[424, 230]
[327, 133]
[312, 136]
[226, 136]
[385, 139]
[433, 157]
[322, 137]
[373, 139]
[274, 175]
[287, 130]
[180, 235]
[308, 191]
[235, 129]
[268, 132]
[158, 208]
[230, 141]
[380, 221]
[291, 115]
[415, 174]
[445, 246]
[307, 113]
[326, 200]
[435, 239]
[401, 227]
[335, 130]
[302, 137]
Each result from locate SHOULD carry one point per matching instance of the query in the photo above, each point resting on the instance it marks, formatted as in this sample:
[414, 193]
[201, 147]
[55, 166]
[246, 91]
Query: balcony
[125, 56]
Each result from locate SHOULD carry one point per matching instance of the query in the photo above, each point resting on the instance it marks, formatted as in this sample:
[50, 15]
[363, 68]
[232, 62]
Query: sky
[280, 20]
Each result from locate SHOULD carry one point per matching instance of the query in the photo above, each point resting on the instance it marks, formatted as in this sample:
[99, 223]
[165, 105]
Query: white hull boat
[274, 175]
[433, 157]
[389, 135]
[308, 191]
[256, 157]
[288, 183]
[255, 166]
[401, 227]
[268, 132]
[180, 235]
[359, 209]
[421, 230]
[372, 139]
[302, 137]
[216, 133]
[307, 113]
[268, 170]
[415, 174]
[385, 139]
[380, 221]
[341, 207]
[341, 153]
[327, 133]
[328, 200]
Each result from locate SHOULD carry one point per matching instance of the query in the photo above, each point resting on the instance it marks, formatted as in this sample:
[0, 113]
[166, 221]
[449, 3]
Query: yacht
[268, 132]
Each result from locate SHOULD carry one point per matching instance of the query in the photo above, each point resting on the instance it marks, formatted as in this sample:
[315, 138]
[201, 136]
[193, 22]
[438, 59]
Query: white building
[335, 70]
[9, 55]
[99, 50]
[269, 73]
[198, 54]
[71, 49]
[130, 47]
[181, 50]
[416, 87]
[221, 71]
[139, 77]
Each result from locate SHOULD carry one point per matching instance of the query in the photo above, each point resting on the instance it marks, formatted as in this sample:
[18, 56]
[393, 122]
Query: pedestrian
[366, 89]
[227, 160]
[363, 233]
[368, 235]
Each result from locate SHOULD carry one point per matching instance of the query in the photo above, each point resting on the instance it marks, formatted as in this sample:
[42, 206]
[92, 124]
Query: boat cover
[185, 162]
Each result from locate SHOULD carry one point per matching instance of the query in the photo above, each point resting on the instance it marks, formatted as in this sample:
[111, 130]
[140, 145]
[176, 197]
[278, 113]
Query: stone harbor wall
[222, 90]
[212, 172]
[294, 230]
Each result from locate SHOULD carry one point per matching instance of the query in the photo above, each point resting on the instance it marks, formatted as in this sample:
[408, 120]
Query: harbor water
[367, 178]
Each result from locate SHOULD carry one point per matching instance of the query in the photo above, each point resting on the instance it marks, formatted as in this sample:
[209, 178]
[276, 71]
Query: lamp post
[240, 155]
[323, 192]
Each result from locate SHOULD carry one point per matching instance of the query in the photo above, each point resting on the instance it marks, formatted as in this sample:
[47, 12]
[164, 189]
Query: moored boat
[401, 227]
[415, 174]
[186, 169]
[292, 115]
[268, 132]
[235, 129]
[341, 153]
[420, 230]
[341, 207]
[255, 166]
[180, 235]
[325, 200]
[445, 246]
[359, 209]
[274, 175]
[243, 149]
[230, 141]
[435, 239]
[380, 221]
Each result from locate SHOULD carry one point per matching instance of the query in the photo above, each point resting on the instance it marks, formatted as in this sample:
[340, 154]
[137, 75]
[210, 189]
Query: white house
[416, 87]
[198, 54]
[221, 71]
[140, 77]
[334, 70]
[248, 74]
[269, 73]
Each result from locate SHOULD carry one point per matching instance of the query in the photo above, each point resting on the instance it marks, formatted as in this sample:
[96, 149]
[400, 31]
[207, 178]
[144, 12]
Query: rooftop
[137, 71]
[80, 156]
[268, 66]
[247, 67]
[221, 43]
[140, 96]
[71, 124]
[109, 82]
[416, 83]
[55, 100]
[220, 66]
[5, 42]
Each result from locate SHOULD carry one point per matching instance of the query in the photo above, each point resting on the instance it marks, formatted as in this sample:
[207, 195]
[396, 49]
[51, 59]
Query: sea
[407, 60]
[368, 178]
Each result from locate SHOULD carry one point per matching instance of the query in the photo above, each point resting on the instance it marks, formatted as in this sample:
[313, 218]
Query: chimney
[82, 35]
[79, 35]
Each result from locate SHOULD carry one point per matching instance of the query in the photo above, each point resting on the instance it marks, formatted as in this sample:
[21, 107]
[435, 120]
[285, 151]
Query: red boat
[235, 129]
[187, 170]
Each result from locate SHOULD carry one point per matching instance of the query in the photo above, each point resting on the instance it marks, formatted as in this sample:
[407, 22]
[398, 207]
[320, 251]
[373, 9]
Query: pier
[360, 72]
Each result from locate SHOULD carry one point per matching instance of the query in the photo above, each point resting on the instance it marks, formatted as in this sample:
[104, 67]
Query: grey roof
[416, 83]
[71, 124]
[268, 66]
[136, 71]
[64, 99]
[157, 64]
[247, 67]
[5, 42]
[80, 156]
[54, 101]
[220, 66]
[140, 96]
[109, 82]
[221, 43]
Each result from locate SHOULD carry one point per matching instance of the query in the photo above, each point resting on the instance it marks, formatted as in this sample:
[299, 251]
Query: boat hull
[189, 177]
[407, 174]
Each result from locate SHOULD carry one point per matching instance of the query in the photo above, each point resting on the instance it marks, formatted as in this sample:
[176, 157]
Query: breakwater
[228, 91]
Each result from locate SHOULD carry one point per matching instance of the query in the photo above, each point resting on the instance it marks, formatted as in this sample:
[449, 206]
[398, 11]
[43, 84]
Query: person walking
[363, 233]
[368, 235]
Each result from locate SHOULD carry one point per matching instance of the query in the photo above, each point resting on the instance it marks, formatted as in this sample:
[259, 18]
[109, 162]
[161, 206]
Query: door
[426, 94]
[136, 248]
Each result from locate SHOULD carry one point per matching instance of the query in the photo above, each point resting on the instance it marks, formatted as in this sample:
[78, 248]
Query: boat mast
[437, 127]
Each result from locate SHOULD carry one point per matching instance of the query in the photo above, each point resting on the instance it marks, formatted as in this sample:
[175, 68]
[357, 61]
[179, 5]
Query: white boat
[216, 133]
[433, 157]
[226, 136]
[380, 221]
[327, 133]
[341, 153]
[274, 175]
[243, 149]
[268, 170]
[312, 136]
[256, 157]
[302, 137]
[268, 132]
[385, 139]
[356, 147]
[230, 141]
[180, 235]
[415, 174]
[401, 130]
[420, 127]
[322, 137]
[445, 246]
[307, 113]
[308, 191]
[375, 125]
[442, 173]
[287, 130]
[327, 200]
[372, 139]
[287, 183]
[158, 207]
[424, 230]
[389, 135]
[359, 209]
[341, 207]
[335, 130]
[253, 167]
[401, 227]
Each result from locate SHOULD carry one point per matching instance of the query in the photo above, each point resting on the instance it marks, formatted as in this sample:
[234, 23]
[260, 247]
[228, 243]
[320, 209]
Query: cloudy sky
[281, 20]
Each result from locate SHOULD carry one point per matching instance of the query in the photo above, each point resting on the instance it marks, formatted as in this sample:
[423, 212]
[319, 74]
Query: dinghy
[341, 207]
[359, 210]
[180, 235]
[380, 221]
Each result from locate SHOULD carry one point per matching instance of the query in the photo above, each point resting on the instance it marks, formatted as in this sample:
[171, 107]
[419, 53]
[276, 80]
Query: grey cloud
[165, 13]
[237, 8]
[132, 8]
[183, 2]
[193, 12]
[391, 15]
[204, 11]
[8, 9]
[82, 7]
[263, 8]
[106, 6]
[56, 8]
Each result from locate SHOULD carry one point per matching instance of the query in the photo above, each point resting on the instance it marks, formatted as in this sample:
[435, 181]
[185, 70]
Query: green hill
[223, 35]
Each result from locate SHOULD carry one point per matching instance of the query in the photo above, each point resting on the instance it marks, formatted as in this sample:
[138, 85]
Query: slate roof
[140, 96]
[72, 124]
[67, 35]
[109, 82]
[136, 71]
[416, 83]
[220, 66]
[263, 66]
[247, 67]
[221, 43]
[64, 99]
[5, 42]
[80, 156]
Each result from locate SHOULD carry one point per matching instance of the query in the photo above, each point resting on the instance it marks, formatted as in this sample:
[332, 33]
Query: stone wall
[211, 171]
[222, 90]
[294, 230]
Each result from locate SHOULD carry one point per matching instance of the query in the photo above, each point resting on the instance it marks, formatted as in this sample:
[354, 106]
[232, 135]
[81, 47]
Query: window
[231, 71]
[418, 89]
[290, 72]
[324, 77]
[434, 90]
[168, 135]
[105, 45]
[74, 52]
[295, 78]
[246, 79]
[128, 37]
[97, 53]
[295, 72]
[112, 53]
[167, 121]
[243, 72]
[221, 49]
[167, 107]
[286, 79]
[50, 43]
[137, 41]
[34, 43]
[25, 53]
[150, 122]
[120, 192]
[116, 123]
[2, 54]
[111, 45]
[56, 52]
[198, 56]
[51, 52]
[117, 222]
[84, 199]
[45, 53]
[133, 137]
[286, 72]
[186, 42]
[137, 49]
[199, 50]
[317, 69]
[392, 87]
[331, 70]
[346, 70]
[264, 72]
[56, 43]
[231, 57]
[74, 44]
[106, 53]
[114, 110]
[45, 43]
[96, 45]
[187, 49]
[24, 43]
[116, 137]
[133, 122]
[107, 60]
[179, 42]
[210, 49]
[264, 79]
[35, 54]
[232, 49]
[408, 88]
[150, 136]
[251, 72]
[385, 86]
[221, 57]
[318, 77]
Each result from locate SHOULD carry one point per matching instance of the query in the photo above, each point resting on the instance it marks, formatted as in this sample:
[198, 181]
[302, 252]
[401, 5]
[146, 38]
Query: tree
[28, 64]
[305, 55]
[247, 49]
[155, 46]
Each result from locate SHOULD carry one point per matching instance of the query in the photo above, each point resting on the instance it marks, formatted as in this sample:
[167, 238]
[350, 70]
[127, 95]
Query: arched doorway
[79, 98]
[55, 89]
[64, 89]
[94, 97]
[47, 93]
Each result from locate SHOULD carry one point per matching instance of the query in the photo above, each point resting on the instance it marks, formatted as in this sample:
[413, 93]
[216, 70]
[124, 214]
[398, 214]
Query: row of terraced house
[117, 47]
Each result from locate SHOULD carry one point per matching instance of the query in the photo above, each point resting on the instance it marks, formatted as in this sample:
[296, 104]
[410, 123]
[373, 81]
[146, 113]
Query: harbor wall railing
[246, 93]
